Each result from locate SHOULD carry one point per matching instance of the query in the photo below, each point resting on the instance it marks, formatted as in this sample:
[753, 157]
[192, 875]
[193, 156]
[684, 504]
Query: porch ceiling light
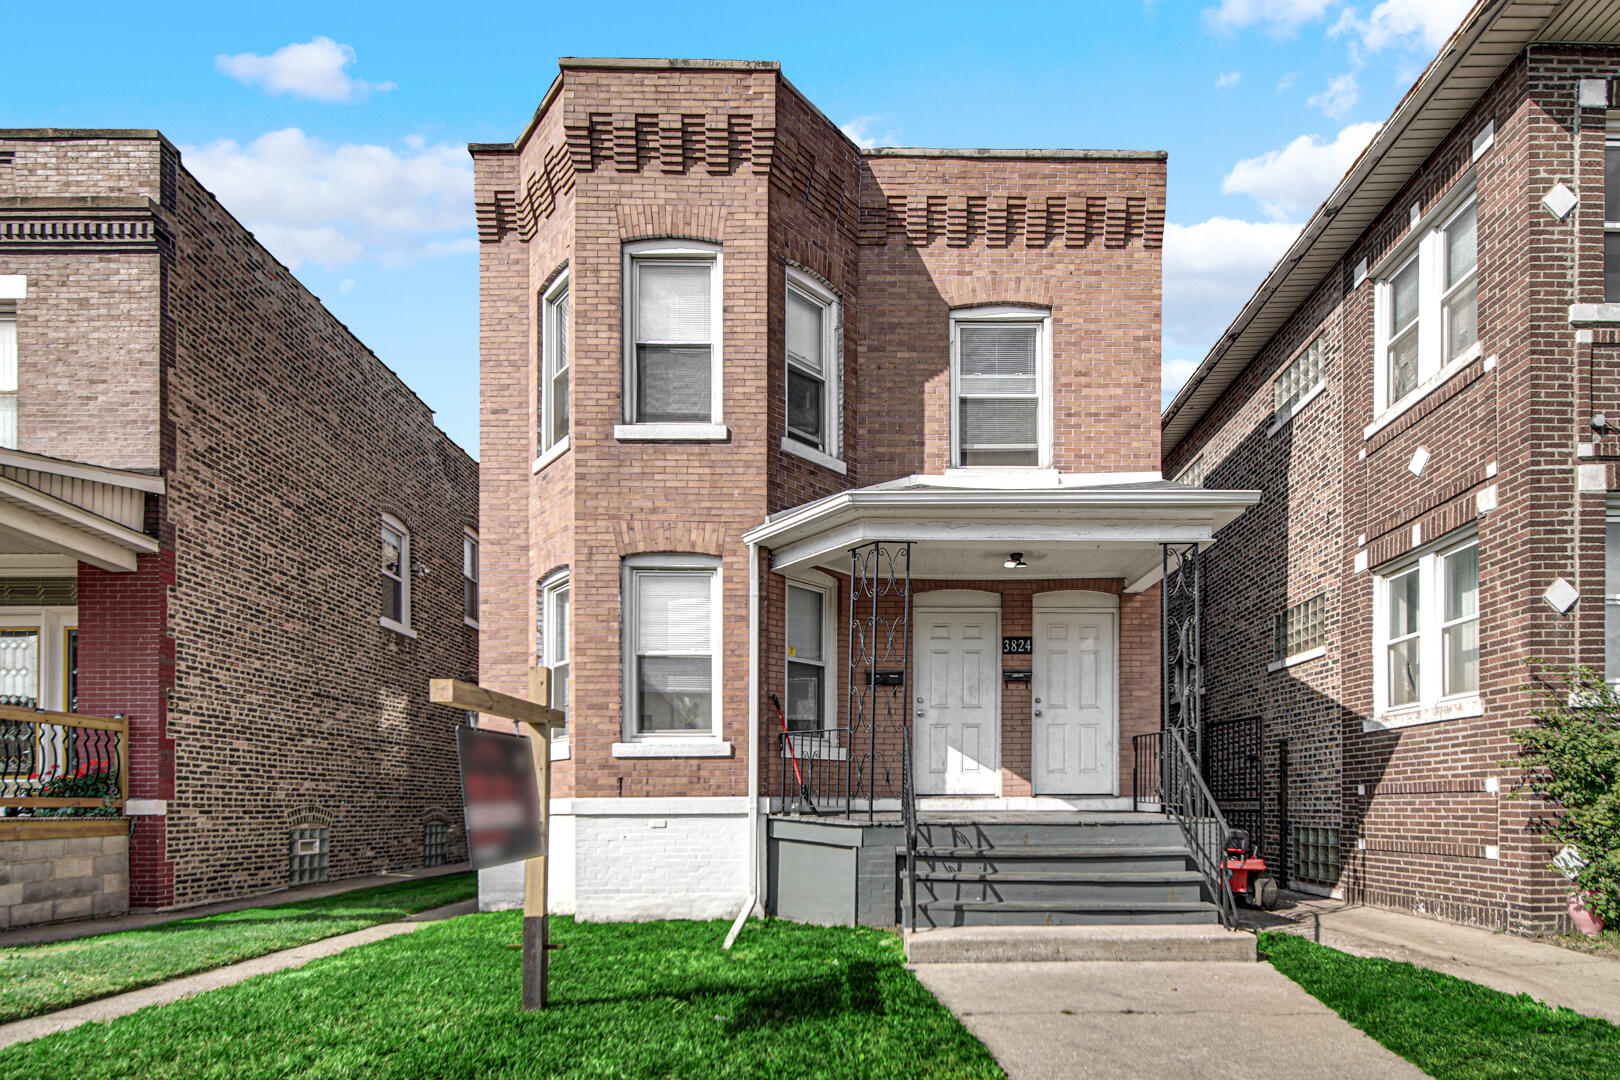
[1015, 561]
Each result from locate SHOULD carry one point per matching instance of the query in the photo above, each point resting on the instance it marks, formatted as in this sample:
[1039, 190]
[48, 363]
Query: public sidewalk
[1588, 984]
[1121, 1020]
[141, 919]
[163, 993]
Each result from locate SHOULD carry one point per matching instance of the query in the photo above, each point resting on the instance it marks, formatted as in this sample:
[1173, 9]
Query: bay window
[672, 655]
[554, 366]
[1001, 401]
[812, 365]
[1428, 305]
[672, 333]
[553, 644]
[1427, 633]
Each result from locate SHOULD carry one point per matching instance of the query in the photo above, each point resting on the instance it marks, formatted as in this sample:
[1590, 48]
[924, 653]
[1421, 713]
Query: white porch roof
[55, 514]
[964, 527]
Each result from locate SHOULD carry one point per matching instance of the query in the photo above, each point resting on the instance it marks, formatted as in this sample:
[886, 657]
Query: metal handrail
[1186, 797]
[1147, 752]
[908, 814]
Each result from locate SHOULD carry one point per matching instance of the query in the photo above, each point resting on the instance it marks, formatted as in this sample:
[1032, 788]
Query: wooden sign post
[540, 718]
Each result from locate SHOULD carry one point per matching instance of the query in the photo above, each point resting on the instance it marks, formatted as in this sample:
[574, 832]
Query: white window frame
[1611, 141]
[469, 545]
[9, 343]
[1426, 246]
[403, 626]
[554, 585]
[546, 400]
[826, 588]
[832, 367]
[1041, 318]
[1433, 703]
[633, 569]
[644, 251]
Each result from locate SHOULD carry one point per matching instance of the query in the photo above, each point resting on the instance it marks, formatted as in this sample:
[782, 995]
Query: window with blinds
[997, 393]
[554, 367]
[806, 659]
[671, 612]
[8, 378]
[672, 330]
[808, 368]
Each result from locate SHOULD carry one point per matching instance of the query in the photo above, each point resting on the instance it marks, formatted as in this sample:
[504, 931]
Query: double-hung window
[1611, 593]
[8, 376]
[1427, 630]
[396, 575]
[672, 655]
[553, 427]
[469, 577]
[672, 333]
[812, 364]
[1611, 212]
[809, 654]
[1428, 306]
[1000, 405]
[554, 641]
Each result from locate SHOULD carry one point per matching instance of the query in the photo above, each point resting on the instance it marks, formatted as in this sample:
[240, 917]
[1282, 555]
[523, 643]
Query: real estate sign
[499, 796]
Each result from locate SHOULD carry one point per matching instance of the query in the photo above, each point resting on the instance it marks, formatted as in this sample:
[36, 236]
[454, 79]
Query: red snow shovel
[805, 801]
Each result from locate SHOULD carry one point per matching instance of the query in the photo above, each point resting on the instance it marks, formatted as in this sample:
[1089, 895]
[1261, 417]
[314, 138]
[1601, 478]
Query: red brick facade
[1422, 812]
[263, 695]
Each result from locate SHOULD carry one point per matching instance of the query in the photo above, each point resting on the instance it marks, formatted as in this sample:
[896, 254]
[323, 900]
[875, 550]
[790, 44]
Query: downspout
[755, 892]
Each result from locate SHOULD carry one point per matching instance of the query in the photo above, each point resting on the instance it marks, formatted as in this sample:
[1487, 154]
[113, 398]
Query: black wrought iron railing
[1147, 753]
[1185, 797]
[62, 764]
[813, 770]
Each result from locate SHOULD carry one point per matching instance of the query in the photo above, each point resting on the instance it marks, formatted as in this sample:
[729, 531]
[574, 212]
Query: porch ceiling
[72, 511]
[1065, 530]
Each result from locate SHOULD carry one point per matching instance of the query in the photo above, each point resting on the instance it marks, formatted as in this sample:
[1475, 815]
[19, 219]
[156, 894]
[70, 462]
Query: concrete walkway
[1588, 984]
[1155, 1019]
[162, 994]
[140, 919]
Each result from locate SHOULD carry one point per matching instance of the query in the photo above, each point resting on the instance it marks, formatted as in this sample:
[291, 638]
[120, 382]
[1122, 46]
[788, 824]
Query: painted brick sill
[671, 432]
[658, 748]
[557, 450]
[1298, 658]
[810, 453]
[390, 624]
[1456, 709]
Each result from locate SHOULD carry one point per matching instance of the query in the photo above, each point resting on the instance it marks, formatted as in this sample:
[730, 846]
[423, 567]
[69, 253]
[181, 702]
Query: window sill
[1413, 715]
[1298, 658]
[1594, 314]
[469, 622]
[1280, 420]
[559, 749]
[555, 451]
[398, 628]
[1423, 390]
[673, 748]
[671, 432]
[810, 453]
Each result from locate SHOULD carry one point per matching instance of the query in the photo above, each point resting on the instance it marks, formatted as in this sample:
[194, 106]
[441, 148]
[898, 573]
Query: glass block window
[1316, 854]
[1300, 629]
[308, 854]
[1193, 475]
[435, 843]
[1301, 377]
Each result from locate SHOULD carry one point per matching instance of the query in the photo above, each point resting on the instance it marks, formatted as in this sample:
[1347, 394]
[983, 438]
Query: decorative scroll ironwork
[879, 675]
[61, 764]
[1181, 604]
[1232, 768]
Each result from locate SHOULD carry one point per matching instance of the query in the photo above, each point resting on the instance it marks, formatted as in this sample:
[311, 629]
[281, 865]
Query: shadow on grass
[855, 991]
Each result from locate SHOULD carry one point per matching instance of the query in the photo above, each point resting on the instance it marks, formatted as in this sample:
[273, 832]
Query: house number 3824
[1017, 646]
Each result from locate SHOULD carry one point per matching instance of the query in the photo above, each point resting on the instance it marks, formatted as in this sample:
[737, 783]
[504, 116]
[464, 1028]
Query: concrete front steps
[1026, 944]
[1102, 869]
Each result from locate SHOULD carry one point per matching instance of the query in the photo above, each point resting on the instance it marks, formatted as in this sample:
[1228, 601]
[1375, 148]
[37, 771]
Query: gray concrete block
[36, 870]
[73, 907]
[115, 845]
[115, 883]
[111, 864]
[31, 849]
[10, 894]
[60, 889]
[5, 873]
[110, 903]
[25, 914]
[73, 866]
[82, 845]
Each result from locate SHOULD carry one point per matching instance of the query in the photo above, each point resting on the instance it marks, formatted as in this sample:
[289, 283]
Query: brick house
[197, 466]
[770, 417]
[1417, 388]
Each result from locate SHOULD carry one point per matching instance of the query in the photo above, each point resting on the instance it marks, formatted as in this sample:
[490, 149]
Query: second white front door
[1074, 703]
[957, 702]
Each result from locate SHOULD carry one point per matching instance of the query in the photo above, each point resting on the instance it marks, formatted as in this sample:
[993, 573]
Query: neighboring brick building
[198, 464]
[721, 347]
[1413, 388]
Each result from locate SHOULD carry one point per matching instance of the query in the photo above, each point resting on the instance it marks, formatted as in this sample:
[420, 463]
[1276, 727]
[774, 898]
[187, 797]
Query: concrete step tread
[1035, 851]
[1144, 877]
[1127, 907]
[986, 944]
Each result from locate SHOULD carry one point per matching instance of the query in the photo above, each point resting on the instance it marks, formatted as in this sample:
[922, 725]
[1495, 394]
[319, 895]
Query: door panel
[957, 721]
[1075, 721]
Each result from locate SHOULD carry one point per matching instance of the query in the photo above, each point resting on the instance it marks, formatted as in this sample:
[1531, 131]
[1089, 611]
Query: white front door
[1074, 703]
[957, 703]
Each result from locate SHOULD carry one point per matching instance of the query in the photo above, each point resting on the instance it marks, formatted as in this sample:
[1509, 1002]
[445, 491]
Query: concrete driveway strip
[1153, 1019]
[110, 1008]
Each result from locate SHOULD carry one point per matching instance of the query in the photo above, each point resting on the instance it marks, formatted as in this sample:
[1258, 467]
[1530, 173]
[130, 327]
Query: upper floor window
[396, 574]
[1611, 213]
[469, 577]
[812, 364]
[554, 364]
[671, 639]
[554, 640]
[672, 333]
[1302, 377]
[8, 376]
[1001, 388]
[1427, 628]
[1428, 308]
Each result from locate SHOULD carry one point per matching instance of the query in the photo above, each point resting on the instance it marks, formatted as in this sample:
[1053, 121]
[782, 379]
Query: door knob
[1037, 712]
[919, 712]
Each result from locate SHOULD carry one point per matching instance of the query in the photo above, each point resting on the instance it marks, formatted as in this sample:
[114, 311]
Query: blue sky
[338, 132]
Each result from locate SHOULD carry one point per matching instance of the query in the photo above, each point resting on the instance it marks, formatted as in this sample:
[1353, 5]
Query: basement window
[309, 856]
[435, 843]
[1316, 854]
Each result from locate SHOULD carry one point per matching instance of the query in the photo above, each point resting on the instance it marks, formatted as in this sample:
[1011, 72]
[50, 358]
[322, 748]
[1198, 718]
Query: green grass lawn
[627, 1000]
[37, 979]
[1449, 1028]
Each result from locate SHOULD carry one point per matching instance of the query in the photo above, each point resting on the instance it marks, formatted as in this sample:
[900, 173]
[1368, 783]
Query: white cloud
[1227, 79]
[1340, 97]
[1294, 179]
[864, 132]
[346, 286]
[313, 69]
[1210, 270]
[1278, 16]
[311, 201]
[1287, 80]
[1403, 22]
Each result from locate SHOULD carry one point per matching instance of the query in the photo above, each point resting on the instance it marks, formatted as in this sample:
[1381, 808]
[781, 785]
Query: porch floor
[982, 817]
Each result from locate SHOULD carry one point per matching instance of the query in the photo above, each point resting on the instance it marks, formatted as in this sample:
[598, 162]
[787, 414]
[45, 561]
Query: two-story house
[769, 418]
[225, 524]
[1422, 388]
